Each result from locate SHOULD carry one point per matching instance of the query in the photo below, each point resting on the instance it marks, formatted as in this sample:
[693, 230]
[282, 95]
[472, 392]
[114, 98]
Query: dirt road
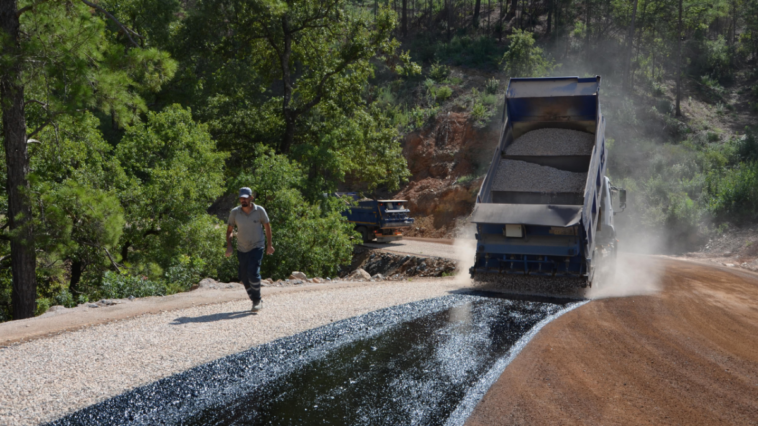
[687, 355]
[424, 247]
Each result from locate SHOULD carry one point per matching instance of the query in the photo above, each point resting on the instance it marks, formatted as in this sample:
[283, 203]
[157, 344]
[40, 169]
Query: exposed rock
[359, 273]
[207, 283]
[296, 275]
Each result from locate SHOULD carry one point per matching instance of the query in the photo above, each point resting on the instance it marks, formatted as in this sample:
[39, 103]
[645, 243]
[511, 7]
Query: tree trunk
[77, 266]
[477, 6]
[23, 256]
[512, 11]
[679, 64]
[587, 22]
[449, 7]
[405, 18]
[628, 60]
[642, 31]
[289, 115]
[549, 16]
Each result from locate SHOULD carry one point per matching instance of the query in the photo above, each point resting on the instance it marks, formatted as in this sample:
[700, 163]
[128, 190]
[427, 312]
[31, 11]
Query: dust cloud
[637, 272]
[464, 251]
[635, 275]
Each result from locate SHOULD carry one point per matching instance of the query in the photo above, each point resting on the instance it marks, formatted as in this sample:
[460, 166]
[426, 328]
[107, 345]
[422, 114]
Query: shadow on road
[212, 318]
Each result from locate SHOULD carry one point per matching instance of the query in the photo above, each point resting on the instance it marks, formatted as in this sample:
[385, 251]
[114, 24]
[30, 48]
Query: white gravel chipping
[47, 378]
[553, 142]
[513, 175]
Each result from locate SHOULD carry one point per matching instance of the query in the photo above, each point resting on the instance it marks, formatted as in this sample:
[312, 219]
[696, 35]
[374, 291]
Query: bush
[523, 58]
[747, 146]
[185, 273]
[119, 286]
[492, 85]
[479, 112]
[712, 88]
[734, 196]
[470, 51]
[442, 93]
[439, 72]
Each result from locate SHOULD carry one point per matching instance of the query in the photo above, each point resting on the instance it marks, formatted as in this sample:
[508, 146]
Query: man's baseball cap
[246, 192]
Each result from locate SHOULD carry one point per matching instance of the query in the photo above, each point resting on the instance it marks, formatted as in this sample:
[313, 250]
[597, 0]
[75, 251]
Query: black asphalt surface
[423, 363]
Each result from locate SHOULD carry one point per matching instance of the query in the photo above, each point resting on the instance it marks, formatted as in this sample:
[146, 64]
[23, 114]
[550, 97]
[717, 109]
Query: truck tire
[365, 235]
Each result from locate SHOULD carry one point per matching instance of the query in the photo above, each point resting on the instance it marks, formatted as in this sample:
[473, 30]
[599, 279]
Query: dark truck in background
[380, 220]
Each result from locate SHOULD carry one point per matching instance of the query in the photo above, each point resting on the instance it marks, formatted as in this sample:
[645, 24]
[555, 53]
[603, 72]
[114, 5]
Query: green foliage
[472, 51]
[714, 58]
[439, 72]
[711, 88]
[186, 272]
[492, 85]
[734, 196]
[523, 58]
[174, 173]
[442, 93]
[309, 106]
[119, 286]
[464, 180]
[78, 65]
[313, 238]
[406, 67]
[748, 145]
[479, 112]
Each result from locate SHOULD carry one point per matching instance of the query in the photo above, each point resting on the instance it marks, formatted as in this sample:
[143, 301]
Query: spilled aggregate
[410, 364]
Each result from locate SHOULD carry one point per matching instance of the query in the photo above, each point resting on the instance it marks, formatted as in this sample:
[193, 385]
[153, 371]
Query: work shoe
[257, 306]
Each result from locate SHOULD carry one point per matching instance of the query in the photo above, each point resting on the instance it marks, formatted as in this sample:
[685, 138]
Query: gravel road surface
[419, 247]
[514, 175]
[46, 378]
[553, 142]
[685, 356]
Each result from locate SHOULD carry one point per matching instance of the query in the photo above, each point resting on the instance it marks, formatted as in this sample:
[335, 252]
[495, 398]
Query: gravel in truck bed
[552, 142]
[514, 175]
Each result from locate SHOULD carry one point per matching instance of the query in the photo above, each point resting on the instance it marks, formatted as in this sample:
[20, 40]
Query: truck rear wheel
[365, 235]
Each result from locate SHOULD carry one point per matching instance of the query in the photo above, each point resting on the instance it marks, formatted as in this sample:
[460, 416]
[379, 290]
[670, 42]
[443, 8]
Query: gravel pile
[46, 378]
[513, 175]
[553, 142]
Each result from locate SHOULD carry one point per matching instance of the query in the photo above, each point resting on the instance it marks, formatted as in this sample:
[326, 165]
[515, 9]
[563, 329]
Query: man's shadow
[213, 317]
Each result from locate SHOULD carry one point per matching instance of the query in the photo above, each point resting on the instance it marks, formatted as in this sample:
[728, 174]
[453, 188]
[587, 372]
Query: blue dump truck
[544, 212]
[380, 220]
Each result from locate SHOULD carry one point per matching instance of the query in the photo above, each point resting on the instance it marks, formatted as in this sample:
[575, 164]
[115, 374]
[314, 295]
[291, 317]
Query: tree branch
[113, 262]
[38, 129]
[126, 30]
[34, 101]
[30, 7]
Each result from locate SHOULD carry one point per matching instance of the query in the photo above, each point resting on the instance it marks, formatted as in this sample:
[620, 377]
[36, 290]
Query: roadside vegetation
[125, 121]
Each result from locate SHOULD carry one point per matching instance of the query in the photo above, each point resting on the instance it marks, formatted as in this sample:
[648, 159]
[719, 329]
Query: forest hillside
[125, 122]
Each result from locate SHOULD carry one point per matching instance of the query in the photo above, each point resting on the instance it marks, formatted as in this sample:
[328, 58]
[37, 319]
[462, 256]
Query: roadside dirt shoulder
[53, 323]
[687, 355]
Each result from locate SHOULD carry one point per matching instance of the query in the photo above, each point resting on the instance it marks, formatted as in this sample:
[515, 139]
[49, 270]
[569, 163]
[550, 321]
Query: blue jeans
[250, 272]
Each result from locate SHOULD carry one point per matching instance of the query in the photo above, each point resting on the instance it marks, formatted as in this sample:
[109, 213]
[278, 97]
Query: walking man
[251, 220]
